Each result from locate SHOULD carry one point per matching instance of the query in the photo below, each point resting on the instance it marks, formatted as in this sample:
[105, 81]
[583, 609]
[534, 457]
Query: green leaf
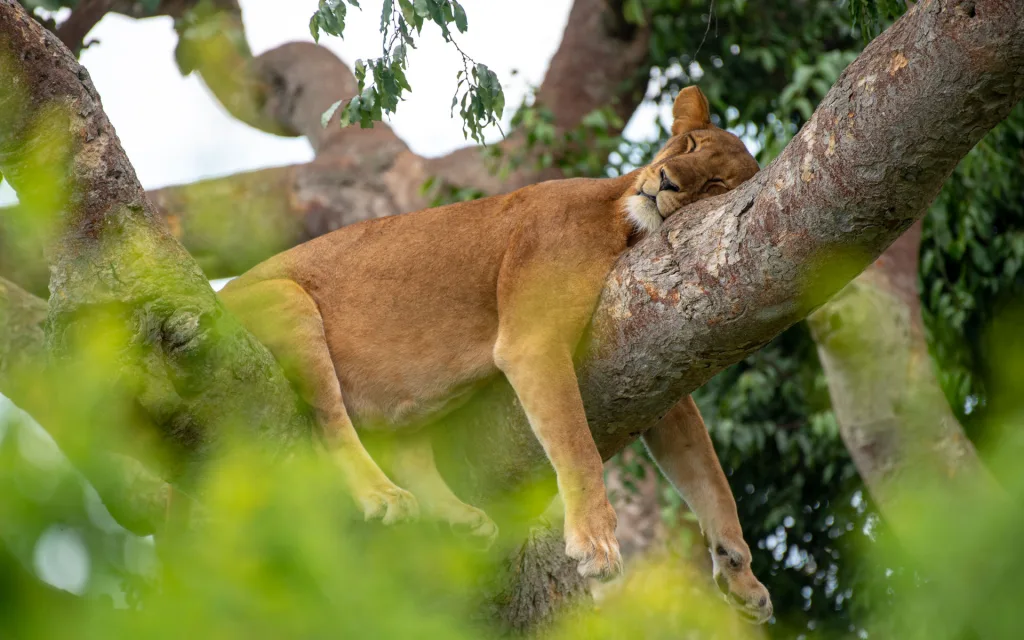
[325, 119]
[437, 16]
[595, 120]
[385, 14]
[633, 12]
[329, 17]
[499, 104]
[422, 8]
[460, 17]
[350, 112]
[408, 11]
[400, 77]
[314, 28]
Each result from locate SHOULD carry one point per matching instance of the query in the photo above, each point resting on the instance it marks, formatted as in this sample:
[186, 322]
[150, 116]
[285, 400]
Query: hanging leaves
[329, 18]
[382, 81]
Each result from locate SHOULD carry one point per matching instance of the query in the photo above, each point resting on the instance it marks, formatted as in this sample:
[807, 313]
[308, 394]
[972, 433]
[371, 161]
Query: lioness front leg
[682, 448]
[544, 379]
[287, 321]
[413, 466]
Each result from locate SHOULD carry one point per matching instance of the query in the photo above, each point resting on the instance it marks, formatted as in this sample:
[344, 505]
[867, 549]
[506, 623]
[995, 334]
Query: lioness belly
[409, 308]
[410, 321]
[394, 377]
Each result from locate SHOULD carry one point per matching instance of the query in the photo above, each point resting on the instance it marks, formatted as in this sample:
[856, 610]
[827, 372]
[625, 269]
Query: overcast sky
[175, 133]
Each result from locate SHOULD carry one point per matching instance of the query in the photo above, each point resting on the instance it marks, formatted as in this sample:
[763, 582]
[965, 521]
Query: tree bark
[22, 345]
[892, 413]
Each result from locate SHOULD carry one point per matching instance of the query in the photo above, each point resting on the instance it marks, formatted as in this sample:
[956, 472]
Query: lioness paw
[734, 578]
[590, 539]
[389, 504]
[476, 525]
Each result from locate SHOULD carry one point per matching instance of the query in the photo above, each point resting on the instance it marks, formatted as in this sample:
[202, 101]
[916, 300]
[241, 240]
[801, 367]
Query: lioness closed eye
[389, 324]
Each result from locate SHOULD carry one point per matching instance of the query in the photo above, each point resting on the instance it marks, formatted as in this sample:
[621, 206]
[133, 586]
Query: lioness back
[409, 302]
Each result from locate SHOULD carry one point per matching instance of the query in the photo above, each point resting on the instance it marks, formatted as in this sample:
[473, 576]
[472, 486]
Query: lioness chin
[389, 324]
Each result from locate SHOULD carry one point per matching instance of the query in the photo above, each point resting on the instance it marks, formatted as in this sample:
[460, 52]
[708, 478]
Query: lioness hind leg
[681, 446]
[413, 465]
[287, 321]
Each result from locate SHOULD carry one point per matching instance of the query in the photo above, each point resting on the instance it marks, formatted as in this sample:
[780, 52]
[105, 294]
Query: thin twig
[711, 15]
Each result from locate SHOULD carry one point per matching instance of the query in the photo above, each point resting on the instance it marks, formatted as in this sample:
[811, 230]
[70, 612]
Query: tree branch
[83, 18]
[136, 497]
[21, 339]
[184, 359]
[892, 413]
[727, 274]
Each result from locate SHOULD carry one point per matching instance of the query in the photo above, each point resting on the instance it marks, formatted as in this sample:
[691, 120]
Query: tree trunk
[892, 413]
[189, 364]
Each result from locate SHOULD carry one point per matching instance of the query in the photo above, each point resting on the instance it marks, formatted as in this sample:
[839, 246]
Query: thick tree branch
[211, 40]
[600, 60]
[726, 275]
[21, 338]
[892, 413]
[184, 360]
[131, 491]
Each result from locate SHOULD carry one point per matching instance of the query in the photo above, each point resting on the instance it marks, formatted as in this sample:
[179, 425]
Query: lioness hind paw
[478, 528]
[390, 505]
[601, 560]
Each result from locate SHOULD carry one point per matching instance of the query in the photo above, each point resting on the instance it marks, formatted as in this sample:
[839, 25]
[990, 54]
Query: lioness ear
[690, 111]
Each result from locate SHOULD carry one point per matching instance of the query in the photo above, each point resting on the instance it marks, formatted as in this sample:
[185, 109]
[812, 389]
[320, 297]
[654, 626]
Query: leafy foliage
[478, 92]
[972, 265]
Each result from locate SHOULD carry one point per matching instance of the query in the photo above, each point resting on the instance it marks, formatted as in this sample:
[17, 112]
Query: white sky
[174, 132]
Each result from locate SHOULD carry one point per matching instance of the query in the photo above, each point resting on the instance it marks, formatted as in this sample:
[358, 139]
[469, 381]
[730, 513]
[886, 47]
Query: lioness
[390, 324]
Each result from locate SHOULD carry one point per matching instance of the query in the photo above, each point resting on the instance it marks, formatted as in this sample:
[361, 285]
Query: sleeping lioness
[390, 324]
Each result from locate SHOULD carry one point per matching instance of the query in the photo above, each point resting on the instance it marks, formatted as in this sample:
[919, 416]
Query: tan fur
[393, 323]
[681, 447]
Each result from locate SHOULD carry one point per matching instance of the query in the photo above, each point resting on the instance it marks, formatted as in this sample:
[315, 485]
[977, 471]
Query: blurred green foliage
[972, 264]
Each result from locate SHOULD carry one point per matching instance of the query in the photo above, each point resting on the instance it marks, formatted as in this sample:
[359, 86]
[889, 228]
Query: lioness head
[699, 161]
